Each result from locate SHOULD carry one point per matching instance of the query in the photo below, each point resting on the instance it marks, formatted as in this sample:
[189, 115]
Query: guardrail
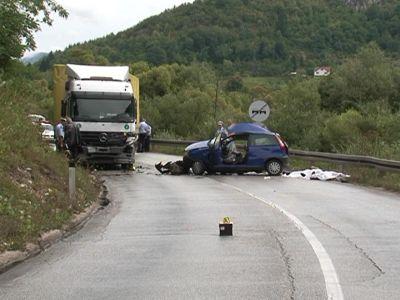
[343, 159]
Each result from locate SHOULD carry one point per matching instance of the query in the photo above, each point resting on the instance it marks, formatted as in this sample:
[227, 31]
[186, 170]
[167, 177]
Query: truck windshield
[103, 110]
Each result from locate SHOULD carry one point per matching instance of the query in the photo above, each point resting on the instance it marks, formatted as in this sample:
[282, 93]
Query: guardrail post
[71, 181]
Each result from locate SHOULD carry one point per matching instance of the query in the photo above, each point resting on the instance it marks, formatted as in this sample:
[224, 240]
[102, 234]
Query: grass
[273, 83]
[34, 181]
[166, 149]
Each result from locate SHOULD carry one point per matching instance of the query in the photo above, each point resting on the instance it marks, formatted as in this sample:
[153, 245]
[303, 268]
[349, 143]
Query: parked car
[48, 132]
[249, 147]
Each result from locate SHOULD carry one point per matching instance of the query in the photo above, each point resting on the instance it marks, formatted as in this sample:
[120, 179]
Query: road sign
[259, 111]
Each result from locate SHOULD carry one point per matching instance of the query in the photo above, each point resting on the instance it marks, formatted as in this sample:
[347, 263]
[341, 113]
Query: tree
[19, 19]
[369, 76]
[295, 113]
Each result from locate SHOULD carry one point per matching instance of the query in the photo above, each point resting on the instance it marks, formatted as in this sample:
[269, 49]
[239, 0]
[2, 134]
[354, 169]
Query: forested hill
[262, 37]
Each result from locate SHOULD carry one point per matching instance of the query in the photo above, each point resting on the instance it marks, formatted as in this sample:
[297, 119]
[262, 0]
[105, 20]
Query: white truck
[104, 103]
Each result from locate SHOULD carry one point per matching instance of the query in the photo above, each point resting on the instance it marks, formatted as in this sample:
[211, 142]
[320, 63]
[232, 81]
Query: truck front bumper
[108, 155]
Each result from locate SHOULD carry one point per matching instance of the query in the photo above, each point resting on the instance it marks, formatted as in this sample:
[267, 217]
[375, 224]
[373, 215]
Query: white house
[322, 71]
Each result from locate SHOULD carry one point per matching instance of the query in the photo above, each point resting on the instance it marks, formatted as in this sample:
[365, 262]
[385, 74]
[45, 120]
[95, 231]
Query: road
[159, 239]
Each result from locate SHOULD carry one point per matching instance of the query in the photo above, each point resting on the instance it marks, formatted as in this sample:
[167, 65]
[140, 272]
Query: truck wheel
[127, 167]
[273, 167]
[198, 168]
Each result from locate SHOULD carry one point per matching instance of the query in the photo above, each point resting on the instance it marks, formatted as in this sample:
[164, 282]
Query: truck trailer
[103, 101]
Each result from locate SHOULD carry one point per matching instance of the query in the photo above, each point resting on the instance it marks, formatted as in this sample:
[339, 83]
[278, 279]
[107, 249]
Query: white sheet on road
[317, 174]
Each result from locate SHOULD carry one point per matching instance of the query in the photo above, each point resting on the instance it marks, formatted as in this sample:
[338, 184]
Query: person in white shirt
[144, 130]
[60, 134]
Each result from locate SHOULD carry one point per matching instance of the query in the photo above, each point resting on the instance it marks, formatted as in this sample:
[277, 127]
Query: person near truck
[59, 134]
[72, 138]
[147, 138]
[144, 129]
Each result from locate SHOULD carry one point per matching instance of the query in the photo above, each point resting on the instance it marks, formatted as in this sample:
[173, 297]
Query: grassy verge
[34, 181]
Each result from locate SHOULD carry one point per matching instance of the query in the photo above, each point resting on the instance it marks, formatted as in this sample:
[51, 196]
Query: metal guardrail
[381, 164]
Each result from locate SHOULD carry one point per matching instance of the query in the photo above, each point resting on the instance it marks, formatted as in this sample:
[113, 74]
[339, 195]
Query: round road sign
[259, 111]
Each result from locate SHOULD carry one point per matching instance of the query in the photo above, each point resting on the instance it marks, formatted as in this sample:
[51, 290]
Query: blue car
[248, 147]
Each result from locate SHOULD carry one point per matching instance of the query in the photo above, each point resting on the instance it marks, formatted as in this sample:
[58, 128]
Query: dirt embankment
[34, 179]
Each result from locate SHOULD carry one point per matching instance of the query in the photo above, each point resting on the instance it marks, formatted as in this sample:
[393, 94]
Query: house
[322, 71]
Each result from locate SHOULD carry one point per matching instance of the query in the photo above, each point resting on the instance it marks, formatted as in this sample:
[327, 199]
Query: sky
[90, 19]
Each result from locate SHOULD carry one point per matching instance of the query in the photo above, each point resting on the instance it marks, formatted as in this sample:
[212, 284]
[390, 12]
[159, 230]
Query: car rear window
[263, 140]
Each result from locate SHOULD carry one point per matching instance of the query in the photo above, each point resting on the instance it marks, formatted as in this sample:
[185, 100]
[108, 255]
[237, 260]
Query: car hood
[198, 145]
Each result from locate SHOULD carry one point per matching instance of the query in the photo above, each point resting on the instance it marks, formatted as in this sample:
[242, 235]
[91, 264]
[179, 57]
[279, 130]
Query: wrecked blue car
[248, 147]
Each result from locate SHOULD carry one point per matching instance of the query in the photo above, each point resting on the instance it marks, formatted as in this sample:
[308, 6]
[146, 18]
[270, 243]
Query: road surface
[159, 239]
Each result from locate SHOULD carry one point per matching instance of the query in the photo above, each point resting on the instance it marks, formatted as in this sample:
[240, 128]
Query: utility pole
[216, 100]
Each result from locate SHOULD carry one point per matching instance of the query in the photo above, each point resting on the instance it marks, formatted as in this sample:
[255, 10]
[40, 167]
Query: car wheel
[198, 168]
[187, 163]
[273, 167]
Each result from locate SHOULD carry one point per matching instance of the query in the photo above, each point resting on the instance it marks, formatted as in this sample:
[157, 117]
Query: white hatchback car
[48, 132]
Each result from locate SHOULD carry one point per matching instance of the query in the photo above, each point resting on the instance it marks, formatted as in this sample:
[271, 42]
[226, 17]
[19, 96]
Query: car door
[215, 152]
[261, 148]
[240, 145]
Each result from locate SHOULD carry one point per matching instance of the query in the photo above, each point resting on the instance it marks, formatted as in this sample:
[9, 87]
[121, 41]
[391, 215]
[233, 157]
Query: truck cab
[101, 101]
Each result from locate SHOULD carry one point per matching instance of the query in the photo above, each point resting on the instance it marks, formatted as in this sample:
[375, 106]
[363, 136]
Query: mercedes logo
[103, 138]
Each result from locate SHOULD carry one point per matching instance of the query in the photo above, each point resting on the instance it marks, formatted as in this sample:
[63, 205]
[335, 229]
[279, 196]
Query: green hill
[261, 37]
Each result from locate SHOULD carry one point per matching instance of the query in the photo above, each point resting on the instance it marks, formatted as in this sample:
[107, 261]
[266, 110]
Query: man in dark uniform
[72, 138]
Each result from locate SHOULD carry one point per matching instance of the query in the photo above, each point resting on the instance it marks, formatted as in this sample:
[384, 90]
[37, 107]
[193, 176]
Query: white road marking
[333, 288]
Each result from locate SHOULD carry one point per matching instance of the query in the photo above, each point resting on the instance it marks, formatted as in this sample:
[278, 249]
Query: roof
[324, 68]
[91, 72]
[255, 128]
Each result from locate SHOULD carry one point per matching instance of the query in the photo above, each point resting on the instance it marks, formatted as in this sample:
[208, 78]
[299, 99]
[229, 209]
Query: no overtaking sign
[259, 111]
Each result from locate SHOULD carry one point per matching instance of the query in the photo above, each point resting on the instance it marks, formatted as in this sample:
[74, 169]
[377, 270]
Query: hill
[34, 58]
[260, 37]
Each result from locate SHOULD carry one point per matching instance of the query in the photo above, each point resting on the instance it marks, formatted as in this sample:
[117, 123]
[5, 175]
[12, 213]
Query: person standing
[221, 130]
[147, 138]
[72, 138]
[59, 134]
[144, 128]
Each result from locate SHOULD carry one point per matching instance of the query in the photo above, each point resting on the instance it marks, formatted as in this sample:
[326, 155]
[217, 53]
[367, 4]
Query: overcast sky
[90, 19]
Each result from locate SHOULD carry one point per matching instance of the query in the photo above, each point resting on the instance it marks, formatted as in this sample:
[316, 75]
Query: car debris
[174, 168]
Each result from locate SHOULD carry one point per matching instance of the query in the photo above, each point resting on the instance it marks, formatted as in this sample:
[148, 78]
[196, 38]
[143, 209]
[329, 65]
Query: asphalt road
[159, 239]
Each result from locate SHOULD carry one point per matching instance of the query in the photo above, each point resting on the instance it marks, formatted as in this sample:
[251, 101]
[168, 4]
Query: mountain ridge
[259, 37]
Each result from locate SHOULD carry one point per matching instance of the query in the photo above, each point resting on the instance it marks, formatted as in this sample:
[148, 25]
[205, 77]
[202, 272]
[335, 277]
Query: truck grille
[103, 138]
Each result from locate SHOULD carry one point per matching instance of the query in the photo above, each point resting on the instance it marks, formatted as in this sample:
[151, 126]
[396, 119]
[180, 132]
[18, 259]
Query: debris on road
[317, 174]
[174, 168]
